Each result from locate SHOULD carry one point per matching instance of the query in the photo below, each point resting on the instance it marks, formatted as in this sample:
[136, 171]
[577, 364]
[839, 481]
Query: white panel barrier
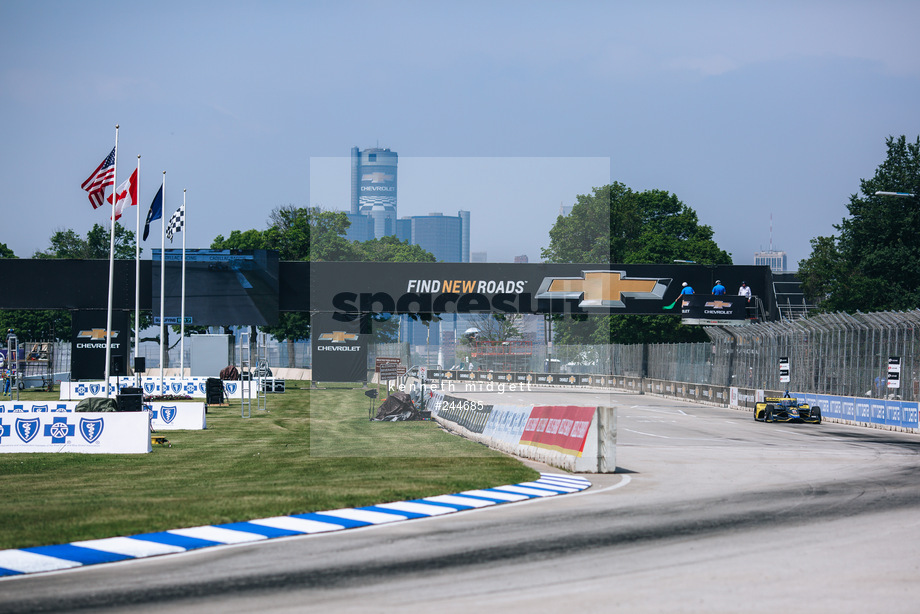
[84, 433]
[506, 425]
[84, 390]
[167, 415]
[19, 407]
[172, 386]
[177, 415]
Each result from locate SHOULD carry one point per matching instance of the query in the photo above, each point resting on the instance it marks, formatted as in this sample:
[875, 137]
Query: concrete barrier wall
[578, 439]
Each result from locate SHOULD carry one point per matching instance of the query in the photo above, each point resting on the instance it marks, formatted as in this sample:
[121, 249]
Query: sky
[747, 112]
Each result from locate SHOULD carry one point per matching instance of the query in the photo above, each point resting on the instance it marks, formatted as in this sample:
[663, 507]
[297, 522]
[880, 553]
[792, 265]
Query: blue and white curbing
[114, 549]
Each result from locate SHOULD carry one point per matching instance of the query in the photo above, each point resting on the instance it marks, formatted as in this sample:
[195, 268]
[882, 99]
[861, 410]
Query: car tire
[768, 414]
[816, 413]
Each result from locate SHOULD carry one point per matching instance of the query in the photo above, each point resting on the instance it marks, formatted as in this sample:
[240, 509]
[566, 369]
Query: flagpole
[137, 266]
[162, 284]
[108, 320]
[182, 316]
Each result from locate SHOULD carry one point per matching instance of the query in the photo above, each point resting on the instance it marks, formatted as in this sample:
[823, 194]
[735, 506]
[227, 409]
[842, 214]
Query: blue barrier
[887, 412]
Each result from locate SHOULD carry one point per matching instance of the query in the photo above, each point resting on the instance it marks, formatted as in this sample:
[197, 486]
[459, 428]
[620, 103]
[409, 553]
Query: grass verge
[311, 450]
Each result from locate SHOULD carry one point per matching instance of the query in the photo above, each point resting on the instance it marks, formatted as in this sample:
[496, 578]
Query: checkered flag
[176, 223]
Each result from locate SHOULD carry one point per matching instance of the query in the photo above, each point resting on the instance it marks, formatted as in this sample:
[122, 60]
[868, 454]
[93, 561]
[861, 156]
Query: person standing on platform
[745, 291]
[718, 289]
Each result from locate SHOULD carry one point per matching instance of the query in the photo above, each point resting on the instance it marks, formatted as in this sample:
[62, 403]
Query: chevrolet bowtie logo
[339, 336]
[602, 288]
[718, 305]
[96, 333]
[377, 177]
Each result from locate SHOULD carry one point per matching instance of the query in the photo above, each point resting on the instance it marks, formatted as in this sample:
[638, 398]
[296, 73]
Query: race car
[786, 409]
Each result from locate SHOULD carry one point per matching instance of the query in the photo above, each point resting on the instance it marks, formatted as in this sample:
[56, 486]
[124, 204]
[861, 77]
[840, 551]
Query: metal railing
[836, 353]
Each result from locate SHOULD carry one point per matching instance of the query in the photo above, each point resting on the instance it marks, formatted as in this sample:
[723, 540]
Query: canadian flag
[126, 194]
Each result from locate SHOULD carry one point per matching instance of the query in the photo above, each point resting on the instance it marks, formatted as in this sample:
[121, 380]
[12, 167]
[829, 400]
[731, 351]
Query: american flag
[176, 223]
[103, 176]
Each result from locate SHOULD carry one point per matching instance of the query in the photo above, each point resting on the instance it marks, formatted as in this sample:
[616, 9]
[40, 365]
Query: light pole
[901, 194]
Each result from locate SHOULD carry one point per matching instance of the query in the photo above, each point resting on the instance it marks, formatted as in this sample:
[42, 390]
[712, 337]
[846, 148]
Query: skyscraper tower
[373, 187]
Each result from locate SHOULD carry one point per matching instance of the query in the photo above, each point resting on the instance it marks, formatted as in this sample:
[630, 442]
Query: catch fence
[837, 353]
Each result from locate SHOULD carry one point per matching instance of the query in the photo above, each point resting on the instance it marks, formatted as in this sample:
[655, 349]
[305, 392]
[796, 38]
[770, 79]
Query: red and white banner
[559, 428]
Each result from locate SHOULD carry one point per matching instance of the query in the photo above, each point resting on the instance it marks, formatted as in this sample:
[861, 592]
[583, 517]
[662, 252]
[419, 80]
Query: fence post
[643, 368]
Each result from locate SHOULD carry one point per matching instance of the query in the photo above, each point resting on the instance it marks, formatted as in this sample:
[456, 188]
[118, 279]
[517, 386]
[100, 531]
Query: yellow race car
[786, 409]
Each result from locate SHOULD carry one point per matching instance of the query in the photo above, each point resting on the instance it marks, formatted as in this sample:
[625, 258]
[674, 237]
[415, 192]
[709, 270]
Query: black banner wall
[716, 309]
[351, 288]
[88, 345]
[339, 350]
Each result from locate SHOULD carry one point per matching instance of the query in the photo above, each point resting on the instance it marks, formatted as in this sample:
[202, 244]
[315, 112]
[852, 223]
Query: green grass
[310, 451]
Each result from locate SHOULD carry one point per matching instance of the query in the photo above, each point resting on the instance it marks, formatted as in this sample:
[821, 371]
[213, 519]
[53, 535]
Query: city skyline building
[776, 260]
[374, 205]
[373, 215]
[373, 187]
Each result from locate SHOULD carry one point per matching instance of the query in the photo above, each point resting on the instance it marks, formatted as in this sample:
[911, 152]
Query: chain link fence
[838, 353]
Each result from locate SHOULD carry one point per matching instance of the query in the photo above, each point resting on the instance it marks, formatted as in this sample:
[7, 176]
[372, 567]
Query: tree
[497, 327]
[390, 249]
[326, 239]
[615, 224]
[68, 244]
[6, 252]
[874, 262]
[36, 325]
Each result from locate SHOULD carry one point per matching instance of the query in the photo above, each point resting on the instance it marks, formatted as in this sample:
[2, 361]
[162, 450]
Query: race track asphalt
[709, 511]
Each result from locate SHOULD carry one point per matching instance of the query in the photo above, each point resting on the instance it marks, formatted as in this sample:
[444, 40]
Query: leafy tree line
[617, 224]
[873, 264]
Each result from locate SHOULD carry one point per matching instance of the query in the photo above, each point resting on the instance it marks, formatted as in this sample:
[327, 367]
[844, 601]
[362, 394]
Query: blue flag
[156, 211]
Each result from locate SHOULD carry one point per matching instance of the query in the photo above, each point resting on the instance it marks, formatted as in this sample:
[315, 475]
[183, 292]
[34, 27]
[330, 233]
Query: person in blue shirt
[687, 289]
[718, 289]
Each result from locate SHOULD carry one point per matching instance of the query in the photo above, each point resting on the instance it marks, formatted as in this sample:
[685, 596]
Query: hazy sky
[506, 109]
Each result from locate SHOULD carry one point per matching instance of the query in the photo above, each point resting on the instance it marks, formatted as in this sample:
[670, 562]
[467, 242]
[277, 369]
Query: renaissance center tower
[373, 188]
